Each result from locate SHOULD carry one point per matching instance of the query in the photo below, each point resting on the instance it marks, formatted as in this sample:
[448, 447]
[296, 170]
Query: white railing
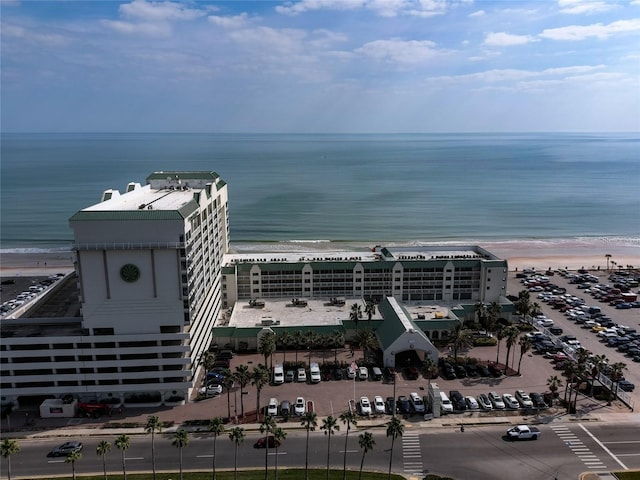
[128, 246]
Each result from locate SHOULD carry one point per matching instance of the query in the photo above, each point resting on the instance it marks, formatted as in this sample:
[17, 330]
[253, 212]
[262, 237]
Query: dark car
[626, 385]
[472, 370]
[457, 400]
[403, 404]
[411, 373]
[65, 449]
[483, 370]
[448, 372]
[555, 330]
[495, 371]
[262, 442]
[538, 400]
[460, 371]
[337, 374]
[390, 405]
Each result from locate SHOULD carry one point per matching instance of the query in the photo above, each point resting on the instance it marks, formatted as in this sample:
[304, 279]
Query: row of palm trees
[585, 368]
[216, 426]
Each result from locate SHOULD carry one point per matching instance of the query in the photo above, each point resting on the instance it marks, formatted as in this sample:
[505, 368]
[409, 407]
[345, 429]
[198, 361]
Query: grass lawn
[289, 474]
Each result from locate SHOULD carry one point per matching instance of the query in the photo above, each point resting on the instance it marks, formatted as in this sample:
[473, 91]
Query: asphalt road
[563, 451]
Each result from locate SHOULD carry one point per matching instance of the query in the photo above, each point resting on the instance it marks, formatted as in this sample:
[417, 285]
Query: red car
[261, 443]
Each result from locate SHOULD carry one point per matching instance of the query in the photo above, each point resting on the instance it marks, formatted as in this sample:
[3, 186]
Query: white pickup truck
[523, 432]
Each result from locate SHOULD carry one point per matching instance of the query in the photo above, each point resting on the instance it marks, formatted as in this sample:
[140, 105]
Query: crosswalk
[584, 453]
[411, 455]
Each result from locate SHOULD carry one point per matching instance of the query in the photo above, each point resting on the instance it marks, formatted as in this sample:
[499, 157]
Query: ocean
[301, 190]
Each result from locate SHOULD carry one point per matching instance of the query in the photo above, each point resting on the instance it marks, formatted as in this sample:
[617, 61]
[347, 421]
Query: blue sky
[337, 66]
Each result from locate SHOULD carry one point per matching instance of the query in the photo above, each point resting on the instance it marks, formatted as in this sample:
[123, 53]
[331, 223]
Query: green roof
[392, 327]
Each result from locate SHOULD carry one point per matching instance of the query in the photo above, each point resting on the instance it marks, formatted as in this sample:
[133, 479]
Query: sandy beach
[571, 255]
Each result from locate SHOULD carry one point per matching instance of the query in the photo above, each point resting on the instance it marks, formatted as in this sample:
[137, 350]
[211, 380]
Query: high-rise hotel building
[149, 270]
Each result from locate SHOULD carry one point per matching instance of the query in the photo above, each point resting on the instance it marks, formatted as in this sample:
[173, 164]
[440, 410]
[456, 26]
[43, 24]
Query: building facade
[148, 263]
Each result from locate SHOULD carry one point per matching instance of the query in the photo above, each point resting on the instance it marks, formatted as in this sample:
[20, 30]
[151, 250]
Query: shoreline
[520, 255]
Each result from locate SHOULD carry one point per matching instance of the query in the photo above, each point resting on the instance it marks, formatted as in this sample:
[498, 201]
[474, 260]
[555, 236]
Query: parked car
[301, 375]
[289, 376]
[378, 404]
[472, 403]
[524, 399]
[510, 401]
[270, 440]
[626, 385]
[65, 449]
[484, 402]
[390, 405]
[272, 407]
[299, 407]
[365, 406]
[483, 370]
[537, 399]
[496, 401]
[363, 373]
[211, 389]
[338, 374]
[403, 404]
[457, 400]
[416, 402]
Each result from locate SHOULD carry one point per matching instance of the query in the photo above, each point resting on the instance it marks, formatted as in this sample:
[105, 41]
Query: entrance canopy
[398, 333]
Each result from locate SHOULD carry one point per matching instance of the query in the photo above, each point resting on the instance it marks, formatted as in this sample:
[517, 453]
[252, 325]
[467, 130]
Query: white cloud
[40, 38]
[478, 13]
[296, 8]
[236, 21]
[502, 39]
[399, 51]
[159, 29]
[598, 30]
[577, 7]
[159, 11]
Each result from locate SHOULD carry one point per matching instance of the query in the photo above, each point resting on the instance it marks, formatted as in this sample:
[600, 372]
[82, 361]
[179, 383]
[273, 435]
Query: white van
[278, 375]
[416, 402]
[445, 403]
[314, 373]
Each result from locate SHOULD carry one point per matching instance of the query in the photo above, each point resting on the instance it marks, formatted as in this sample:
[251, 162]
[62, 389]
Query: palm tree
[309, 422]
[348, 418]
[430, 368]
[499, 336]
[511, 333]
[553, 383]
[523, 304]
[493, 313]
[267, 345]
[395, 429]
[9, 447]
[525, 346]
[356, 314]
[207, 359]
[284, 339]
[102, 449]
[459, 338]
[598, 362]
[330, 427]
[278, 435]
[259, 378]
[481, 311]
[366, 442]
[228, 382]
[237, 437]
[180, 440]
[337, 338]
[123, 442]
[153, 425]
[73, 457]
[616, 375]
[370, 310]
[215, 426]
[266, 426]
[298, 340]
[366, 339]
[243, 377]
[311, 339]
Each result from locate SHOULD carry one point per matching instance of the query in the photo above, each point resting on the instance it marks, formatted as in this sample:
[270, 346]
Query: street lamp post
[608, 256]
